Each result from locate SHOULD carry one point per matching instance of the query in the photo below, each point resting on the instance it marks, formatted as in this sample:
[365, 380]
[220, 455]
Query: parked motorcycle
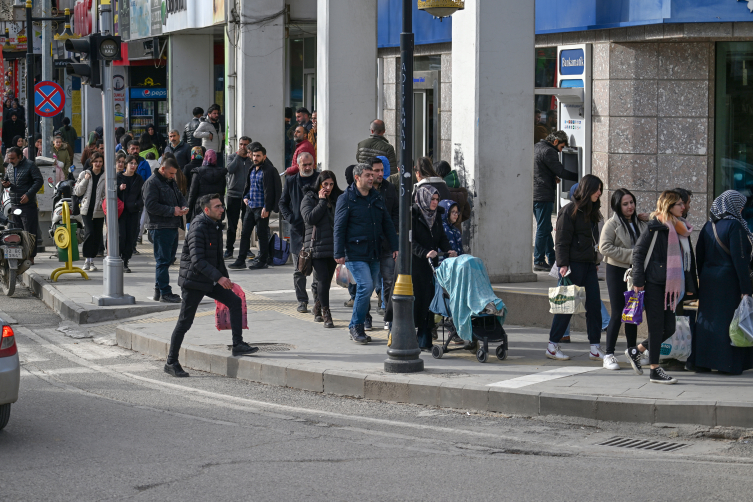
[15, 250]
[64, 193]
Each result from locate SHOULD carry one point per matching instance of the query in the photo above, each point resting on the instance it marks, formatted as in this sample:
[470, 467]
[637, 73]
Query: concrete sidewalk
[299, 353]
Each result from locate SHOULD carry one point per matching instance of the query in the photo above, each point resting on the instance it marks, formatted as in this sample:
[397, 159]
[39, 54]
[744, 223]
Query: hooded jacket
[206, 129]
[454, 236]
[201, 261]
[237, 172]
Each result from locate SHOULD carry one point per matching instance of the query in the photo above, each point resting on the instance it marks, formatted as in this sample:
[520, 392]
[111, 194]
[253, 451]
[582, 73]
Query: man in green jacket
[376, 145]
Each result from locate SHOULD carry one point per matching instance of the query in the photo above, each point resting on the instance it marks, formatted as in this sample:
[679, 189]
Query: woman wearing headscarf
[197, 159]
[724, 256]
[157, 138]
[208, 179]
[428, 238]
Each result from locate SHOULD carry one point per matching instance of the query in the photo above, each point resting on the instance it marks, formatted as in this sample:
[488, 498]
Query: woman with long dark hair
[318, 212]
[576, 248]
[661, 274]
[129, 191]
[618, 238]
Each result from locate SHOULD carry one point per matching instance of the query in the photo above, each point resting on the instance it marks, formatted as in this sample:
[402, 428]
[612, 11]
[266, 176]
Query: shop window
[734, 121]
[546, 76]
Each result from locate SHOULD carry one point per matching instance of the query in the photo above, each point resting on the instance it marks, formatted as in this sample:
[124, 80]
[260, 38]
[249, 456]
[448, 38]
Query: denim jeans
[366, 274]
[605, 318]
[387, 269]
[544, 244]
[165, 247]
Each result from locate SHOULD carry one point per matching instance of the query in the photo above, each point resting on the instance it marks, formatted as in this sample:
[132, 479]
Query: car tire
[4, 415]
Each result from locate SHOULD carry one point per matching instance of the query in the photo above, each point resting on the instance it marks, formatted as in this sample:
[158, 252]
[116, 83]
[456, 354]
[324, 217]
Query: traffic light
[109, 47]
[86, 49]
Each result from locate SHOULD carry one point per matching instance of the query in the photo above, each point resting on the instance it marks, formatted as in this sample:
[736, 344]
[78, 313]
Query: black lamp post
[30, 68]
[403, 354]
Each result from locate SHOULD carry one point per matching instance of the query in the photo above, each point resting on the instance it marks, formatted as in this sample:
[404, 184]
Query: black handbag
[306, 259]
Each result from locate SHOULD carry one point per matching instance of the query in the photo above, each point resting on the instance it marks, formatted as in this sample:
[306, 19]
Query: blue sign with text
[150, 93]
[572, 62]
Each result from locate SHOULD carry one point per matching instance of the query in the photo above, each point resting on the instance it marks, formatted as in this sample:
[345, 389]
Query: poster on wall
[141, 19]
[218, 14]
[119, 96]
[124, 19]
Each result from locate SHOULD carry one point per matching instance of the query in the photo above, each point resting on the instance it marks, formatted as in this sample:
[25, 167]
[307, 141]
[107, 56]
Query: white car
[10, 373]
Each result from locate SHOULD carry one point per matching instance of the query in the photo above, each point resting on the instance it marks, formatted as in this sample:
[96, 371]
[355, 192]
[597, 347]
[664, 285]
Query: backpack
[279, 250]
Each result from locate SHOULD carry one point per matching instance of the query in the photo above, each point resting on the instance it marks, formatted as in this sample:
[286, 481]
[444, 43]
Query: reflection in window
[734, 121]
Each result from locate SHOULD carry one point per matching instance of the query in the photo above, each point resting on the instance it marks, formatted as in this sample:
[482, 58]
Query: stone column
[492, 98]
[191, 73]
[260, 81]
[346, 75]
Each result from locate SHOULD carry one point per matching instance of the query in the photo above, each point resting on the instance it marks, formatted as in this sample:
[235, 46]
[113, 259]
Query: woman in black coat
[129, 191]
[318, 213]
[724, 270]
[209, 179]
[428, 237]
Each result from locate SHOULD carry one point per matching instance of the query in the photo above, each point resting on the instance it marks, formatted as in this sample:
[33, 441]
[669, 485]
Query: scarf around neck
[678, 261]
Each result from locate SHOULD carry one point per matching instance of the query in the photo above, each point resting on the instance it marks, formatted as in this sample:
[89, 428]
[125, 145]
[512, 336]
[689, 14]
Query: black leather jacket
[188, 131]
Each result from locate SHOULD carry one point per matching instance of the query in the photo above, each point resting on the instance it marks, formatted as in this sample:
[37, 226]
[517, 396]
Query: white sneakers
[89, 267]
[596, 353]
[644, 358]
[553, 352]
[610, 362]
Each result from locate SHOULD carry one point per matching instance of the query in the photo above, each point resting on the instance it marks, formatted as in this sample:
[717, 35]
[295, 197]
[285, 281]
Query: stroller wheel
[481, 356]
[437, 352]
[501, 353]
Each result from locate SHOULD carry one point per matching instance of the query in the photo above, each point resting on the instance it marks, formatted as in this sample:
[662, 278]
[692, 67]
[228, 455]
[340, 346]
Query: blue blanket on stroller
[467, 282]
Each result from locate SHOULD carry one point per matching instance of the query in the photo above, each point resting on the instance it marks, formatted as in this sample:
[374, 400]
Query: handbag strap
[650, 250]
[718, 241]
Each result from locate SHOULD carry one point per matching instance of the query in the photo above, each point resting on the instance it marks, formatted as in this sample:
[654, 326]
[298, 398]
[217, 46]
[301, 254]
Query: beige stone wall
[653, 120]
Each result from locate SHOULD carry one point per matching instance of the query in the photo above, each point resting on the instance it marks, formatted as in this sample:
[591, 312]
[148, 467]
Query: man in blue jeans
[165, 206]
[361, 224]
[547, 172]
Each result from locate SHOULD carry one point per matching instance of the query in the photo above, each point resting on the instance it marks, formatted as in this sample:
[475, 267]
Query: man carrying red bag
[203, 273]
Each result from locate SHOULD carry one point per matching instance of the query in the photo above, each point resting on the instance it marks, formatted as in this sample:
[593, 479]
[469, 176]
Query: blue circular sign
[49, 99]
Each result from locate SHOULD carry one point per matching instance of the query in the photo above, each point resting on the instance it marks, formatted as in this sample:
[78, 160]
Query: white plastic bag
[567, 298]
[679, 345]
[741, 327]
[343, 277]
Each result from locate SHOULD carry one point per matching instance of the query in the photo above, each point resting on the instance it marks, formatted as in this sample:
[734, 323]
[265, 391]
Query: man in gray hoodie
[237, 171]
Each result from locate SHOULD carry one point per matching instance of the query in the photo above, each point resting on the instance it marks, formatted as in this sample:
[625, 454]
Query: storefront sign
[189, 14]
[82, 17]
[154, 93]
[572, 62]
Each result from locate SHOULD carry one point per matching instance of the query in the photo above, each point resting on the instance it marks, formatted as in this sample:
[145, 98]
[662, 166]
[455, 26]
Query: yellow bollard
[64, 240]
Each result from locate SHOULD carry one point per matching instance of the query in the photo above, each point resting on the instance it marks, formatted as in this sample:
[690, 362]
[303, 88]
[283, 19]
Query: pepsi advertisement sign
[572, 62]
[151, 93]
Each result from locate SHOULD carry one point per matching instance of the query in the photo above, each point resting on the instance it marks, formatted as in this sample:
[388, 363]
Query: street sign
[49, 99]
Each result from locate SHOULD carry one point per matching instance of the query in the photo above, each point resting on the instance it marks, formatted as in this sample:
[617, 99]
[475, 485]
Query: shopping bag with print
[679, 345]
[633, 311]
[222, 312]
[567, 298]
[741, 327]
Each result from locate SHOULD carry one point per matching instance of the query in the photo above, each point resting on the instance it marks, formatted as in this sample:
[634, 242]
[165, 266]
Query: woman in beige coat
[618, 237]
[91, 187]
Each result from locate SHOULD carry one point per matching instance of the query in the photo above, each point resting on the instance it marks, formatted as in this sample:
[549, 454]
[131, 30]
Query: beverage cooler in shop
[148, 106]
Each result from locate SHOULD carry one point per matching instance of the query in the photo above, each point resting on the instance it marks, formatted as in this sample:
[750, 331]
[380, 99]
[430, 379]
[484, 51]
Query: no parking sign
[49, 99]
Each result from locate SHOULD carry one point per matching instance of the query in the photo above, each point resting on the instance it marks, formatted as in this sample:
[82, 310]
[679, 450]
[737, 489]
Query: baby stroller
[462, 291]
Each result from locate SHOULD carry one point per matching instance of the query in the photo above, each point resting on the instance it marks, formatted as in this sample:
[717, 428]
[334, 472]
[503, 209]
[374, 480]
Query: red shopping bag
[222, 313]
[633, 311]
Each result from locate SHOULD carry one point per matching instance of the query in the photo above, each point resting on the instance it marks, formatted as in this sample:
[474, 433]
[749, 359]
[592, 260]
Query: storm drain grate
[643, 444]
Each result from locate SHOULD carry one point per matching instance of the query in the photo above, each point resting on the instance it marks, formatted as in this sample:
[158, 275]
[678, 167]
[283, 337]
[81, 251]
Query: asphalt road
[97, 422]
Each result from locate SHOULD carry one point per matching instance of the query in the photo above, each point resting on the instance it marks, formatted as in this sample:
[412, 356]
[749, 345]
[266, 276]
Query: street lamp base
[403, 366]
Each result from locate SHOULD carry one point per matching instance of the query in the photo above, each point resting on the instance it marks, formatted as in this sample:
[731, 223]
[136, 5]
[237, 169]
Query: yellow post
[64, 239]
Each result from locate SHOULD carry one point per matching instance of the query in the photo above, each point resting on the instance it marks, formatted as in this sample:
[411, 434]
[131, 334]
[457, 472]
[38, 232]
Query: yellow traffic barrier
[64, 240]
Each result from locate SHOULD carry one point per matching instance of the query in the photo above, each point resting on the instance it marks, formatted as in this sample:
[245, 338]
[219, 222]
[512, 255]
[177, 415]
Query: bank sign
[572, 62]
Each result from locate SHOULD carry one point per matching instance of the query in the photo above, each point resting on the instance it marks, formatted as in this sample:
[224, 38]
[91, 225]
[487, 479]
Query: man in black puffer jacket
[203, 273]
[547, 171]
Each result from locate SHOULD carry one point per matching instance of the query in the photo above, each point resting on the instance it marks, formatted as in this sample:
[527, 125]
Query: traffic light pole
[113, 264]
[29, 77]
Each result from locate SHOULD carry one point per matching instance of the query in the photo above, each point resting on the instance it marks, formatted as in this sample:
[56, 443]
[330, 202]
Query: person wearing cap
[547, 172]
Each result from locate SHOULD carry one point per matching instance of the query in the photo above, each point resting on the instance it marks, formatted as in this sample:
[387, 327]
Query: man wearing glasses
[290, 209]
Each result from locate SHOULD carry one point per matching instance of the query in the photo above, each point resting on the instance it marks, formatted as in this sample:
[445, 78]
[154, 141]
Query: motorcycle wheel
[9, 281]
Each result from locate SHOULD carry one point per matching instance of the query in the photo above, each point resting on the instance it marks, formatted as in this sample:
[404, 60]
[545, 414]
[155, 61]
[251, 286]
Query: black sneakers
[634, 357]
[357, 334]
[237, 265]
[541, 267]
[175, 370]
[170, 298]
[257, 264]
[228, 254]
[244, 349]
[303, 308]
[367, 325]
[659, 376]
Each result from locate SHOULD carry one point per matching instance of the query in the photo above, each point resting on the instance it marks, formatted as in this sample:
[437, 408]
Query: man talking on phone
[165, 206]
